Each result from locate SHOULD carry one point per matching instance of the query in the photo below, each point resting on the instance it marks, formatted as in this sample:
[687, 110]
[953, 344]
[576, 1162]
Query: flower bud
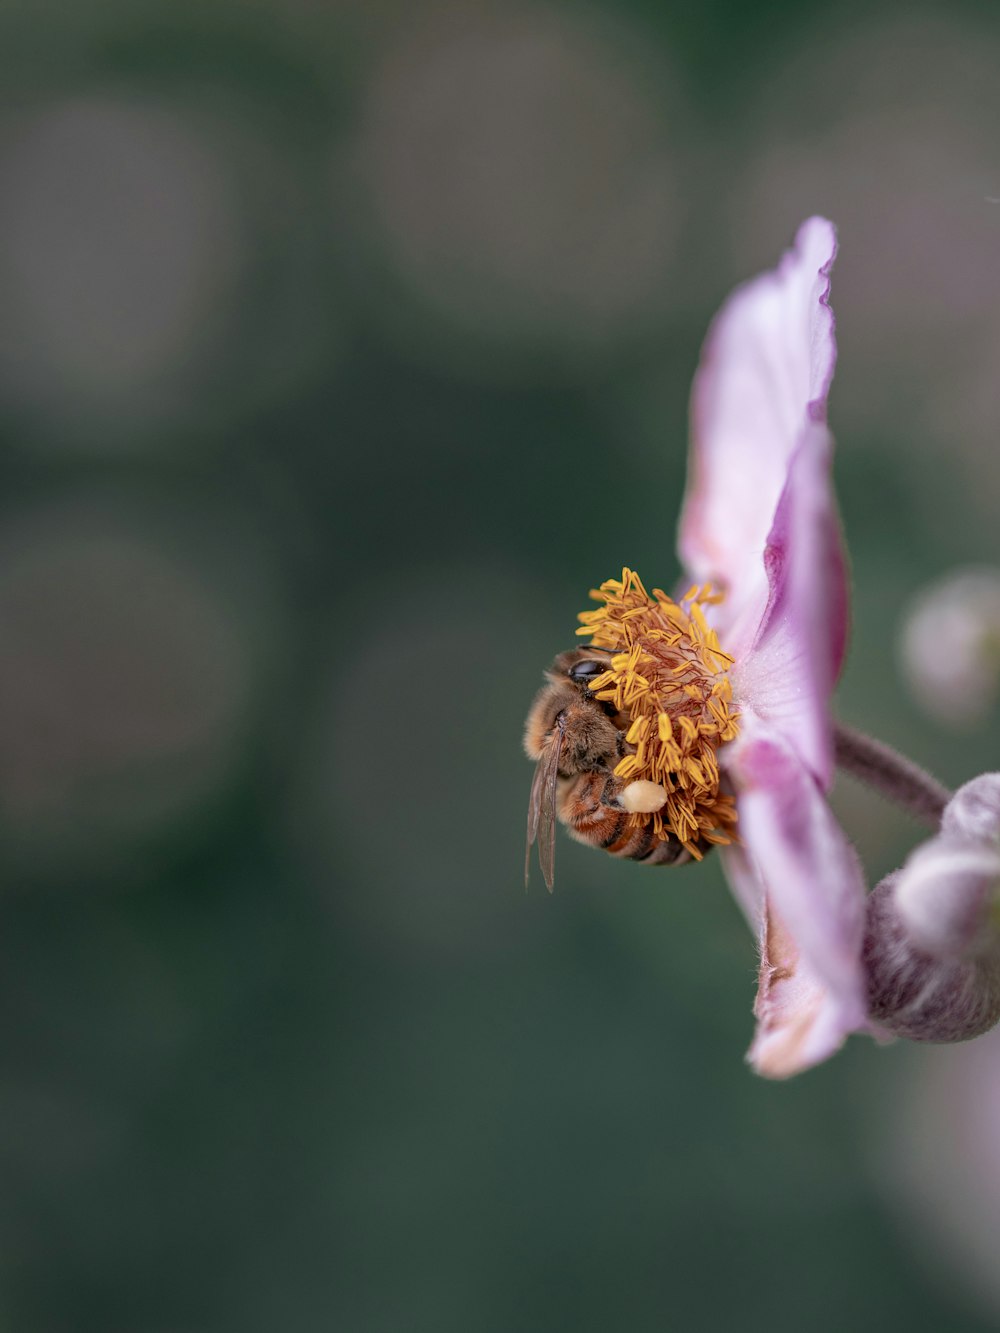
[932, 940]
[974, 811]
[945, 895]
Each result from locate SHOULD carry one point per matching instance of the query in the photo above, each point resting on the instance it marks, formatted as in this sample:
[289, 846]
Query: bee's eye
[586, 670]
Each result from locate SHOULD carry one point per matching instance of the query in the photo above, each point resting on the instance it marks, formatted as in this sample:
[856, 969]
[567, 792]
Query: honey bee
[576, 741]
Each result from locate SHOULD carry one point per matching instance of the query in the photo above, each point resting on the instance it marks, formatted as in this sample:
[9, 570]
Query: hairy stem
[898, 778]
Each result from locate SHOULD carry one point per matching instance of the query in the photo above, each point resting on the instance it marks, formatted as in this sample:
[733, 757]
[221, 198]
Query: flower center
[670, 678]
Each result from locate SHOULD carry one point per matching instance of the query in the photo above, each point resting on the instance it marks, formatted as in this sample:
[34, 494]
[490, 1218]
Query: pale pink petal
[799, 1021]
[812, 882]
[765, 372]
[746, 884]
[789, 673]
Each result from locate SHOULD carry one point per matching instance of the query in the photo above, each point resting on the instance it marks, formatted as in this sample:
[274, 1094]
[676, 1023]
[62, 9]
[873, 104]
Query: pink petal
[746, 884]
[813, 986]
[788, 675]
[799, 1022]
[765, 371]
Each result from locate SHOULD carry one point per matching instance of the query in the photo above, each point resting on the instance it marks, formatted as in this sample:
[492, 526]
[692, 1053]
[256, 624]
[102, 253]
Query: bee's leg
[599, 793]
[591, 811]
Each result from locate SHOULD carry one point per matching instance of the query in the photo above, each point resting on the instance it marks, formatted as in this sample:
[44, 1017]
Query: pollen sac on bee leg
[643, 798]
[932, 940]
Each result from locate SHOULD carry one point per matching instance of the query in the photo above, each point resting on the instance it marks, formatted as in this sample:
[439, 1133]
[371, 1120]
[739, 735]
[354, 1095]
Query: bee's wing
[542, 811]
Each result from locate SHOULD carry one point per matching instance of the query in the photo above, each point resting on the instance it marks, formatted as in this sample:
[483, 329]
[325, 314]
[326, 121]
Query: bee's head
[581, 666]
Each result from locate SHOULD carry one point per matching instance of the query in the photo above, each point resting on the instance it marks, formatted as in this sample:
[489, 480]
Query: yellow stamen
[669, 675]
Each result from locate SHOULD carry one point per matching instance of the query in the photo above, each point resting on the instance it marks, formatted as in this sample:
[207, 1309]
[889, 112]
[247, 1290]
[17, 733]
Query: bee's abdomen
[642, 844]
[592, 821]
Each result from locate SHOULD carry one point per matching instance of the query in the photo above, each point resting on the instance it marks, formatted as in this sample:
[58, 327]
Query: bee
[576, 741]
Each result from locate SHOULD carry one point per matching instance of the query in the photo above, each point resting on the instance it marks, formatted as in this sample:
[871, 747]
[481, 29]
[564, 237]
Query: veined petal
[812, 980]
[789, 673]
[765, 372]
[746, 884]
[800, 1022]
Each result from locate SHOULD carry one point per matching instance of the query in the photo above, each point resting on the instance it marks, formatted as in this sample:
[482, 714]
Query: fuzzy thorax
[670, 677]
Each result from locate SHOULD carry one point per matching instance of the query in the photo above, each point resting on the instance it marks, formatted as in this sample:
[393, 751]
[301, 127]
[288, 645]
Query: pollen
[670, 678]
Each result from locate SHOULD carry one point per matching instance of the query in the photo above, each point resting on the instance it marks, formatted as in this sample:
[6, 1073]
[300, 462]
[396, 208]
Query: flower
[932, 944]
[732, 688]
[670, 677]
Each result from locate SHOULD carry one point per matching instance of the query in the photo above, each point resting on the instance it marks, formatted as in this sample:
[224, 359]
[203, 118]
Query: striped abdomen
[588, 809]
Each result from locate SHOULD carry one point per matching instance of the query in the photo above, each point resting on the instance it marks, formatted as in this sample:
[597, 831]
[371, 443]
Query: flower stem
[896, 777]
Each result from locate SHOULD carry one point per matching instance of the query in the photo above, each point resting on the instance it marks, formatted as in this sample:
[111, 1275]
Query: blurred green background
[343, 347]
